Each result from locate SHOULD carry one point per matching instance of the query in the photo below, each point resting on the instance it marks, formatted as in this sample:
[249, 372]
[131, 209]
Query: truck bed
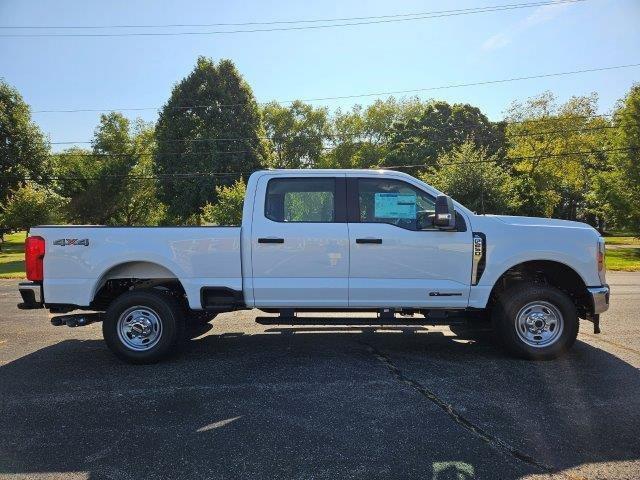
[79, 259]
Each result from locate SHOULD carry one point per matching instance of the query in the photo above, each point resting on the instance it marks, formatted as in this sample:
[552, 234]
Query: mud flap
[595, 319]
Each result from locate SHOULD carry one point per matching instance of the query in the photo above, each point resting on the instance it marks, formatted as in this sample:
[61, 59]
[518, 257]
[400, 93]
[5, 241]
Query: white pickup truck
[318, 240]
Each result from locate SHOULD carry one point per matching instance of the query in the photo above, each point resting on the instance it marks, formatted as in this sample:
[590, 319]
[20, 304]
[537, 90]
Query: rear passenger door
[300, 242]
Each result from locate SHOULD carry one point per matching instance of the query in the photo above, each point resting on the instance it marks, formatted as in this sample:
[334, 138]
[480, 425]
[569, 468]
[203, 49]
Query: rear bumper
[31, 293]
[599, 298]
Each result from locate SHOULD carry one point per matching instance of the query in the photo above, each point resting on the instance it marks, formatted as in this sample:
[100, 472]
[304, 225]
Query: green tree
[30, 205]
[558, 152]
[113, 183]
[625, 200]
[608, 202]
[228, 207]
[210, 125]
[439, 127]
[297, 134]
[361, 136]
[23, 149]
[77, 178]
[474, 178]
[139, 204]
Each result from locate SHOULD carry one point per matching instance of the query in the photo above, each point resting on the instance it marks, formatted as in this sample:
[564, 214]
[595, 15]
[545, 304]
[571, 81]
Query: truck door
[397, 258]
[300, 242]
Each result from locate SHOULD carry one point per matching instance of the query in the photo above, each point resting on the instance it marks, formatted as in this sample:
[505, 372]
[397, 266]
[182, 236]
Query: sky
[65, 73]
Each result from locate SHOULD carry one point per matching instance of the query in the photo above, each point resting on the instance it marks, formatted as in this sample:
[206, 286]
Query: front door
[300, 242]
[397, 259]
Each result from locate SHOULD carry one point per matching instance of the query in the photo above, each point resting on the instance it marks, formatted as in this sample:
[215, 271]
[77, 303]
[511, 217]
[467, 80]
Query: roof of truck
[333, 171]
[352, 171]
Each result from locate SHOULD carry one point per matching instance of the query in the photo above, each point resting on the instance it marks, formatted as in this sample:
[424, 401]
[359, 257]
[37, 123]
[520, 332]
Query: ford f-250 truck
[317, 240]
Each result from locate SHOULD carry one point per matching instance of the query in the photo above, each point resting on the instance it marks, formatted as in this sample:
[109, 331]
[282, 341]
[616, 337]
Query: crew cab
[318, 240]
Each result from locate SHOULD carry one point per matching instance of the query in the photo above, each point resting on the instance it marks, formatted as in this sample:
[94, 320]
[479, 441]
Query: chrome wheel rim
[539, 324]
[139, 328]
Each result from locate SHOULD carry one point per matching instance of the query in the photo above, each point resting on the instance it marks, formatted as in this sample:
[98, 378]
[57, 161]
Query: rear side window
[310, 200]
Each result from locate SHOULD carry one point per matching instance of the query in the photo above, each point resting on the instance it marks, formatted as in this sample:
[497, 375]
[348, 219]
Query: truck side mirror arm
[445, 215]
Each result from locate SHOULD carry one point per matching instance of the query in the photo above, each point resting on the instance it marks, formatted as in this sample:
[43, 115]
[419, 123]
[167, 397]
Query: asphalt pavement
[245, 400]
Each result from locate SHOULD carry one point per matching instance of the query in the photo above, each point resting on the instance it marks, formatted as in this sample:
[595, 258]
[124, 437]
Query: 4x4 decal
[72, 241]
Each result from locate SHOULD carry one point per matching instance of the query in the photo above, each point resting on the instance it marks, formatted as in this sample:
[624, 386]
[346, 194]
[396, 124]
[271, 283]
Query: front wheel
[143, 326]
[536, 321]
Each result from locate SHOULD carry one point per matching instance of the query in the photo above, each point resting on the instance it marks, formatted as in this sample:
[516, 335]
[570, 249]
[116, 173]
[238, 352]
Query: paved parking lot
[251, 401]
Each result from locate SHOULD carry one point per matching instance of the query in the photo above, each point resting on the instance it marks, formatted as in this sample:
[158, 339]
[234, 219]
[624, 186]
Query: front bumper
[599, 298]
[31, 293]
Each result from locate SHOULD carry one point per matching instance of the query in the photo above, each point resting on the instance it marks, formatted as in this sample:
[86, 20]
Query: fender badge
[72, 241]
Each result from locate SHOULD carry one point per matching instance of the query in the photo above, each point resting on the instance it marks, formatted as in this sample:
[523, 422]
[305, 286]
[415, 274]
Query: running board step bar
[385, 316]
[341, 321]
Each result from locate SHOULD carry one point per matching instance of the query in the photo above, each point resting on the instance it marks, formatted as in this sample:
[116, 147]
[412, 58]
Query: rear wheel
[143, 326]
[536, 321]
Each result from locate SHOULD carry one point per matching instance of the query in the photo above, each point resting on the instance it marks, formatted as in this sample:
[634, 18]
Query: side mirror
[424, 220]
[445, 216]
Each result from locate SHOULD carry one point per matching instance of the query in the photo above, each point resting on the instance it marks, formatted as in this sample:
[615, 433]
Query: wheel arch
[132, 274]
[551, 272]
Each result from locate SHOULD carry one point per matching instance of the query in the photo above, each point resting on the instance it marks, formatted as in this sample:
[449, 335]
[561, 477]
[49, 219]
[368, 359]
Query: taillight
[33, 258]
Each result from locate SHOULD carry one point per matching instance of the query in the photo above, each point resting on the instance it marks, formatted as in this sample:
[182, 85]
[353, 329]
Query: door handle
[369, 240]
[271, 240]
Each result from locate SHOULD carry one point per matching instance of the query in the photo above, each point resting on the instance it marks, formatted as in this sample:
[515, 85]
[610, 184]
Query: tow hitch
[76, 319]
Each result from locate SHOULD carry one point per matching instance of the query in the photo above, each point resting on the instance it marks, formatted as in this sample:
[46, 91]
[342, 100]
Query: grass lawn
[622, 240]
[12, 256]
[625, 254]
[624, 259]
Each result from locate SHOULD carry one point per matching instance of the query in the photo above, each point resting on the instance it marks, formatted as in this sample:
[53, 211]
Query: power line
[275, 22]
[342, 135]
[552, 132]
[171, 176]
[294, 148]
[472, 84]
[158, 176]
[548, 119]
[379, 20]
[140, 154]
[363, 95]
[180, 140]
[519, 135]
[519, 159]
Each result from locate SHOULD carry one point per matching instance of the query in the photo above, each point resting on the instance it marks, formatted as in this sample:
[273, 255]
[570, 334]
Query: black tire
[167, 314]
[511, 305]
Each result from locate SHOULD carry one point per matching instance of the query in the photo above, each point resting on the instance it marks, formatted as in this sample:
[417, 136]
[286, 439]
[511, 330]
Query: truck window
[301, 200]
[395, 202]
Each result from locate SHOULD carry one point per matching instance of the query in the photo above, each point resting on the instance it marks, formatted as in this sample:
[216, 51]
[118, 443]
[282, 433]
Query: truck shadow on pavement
[303, 402]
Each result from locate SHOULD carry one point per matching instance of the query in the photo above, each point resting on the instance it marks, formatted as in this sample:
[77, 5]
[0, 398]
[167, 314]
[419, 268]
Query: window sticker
[395, 205]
